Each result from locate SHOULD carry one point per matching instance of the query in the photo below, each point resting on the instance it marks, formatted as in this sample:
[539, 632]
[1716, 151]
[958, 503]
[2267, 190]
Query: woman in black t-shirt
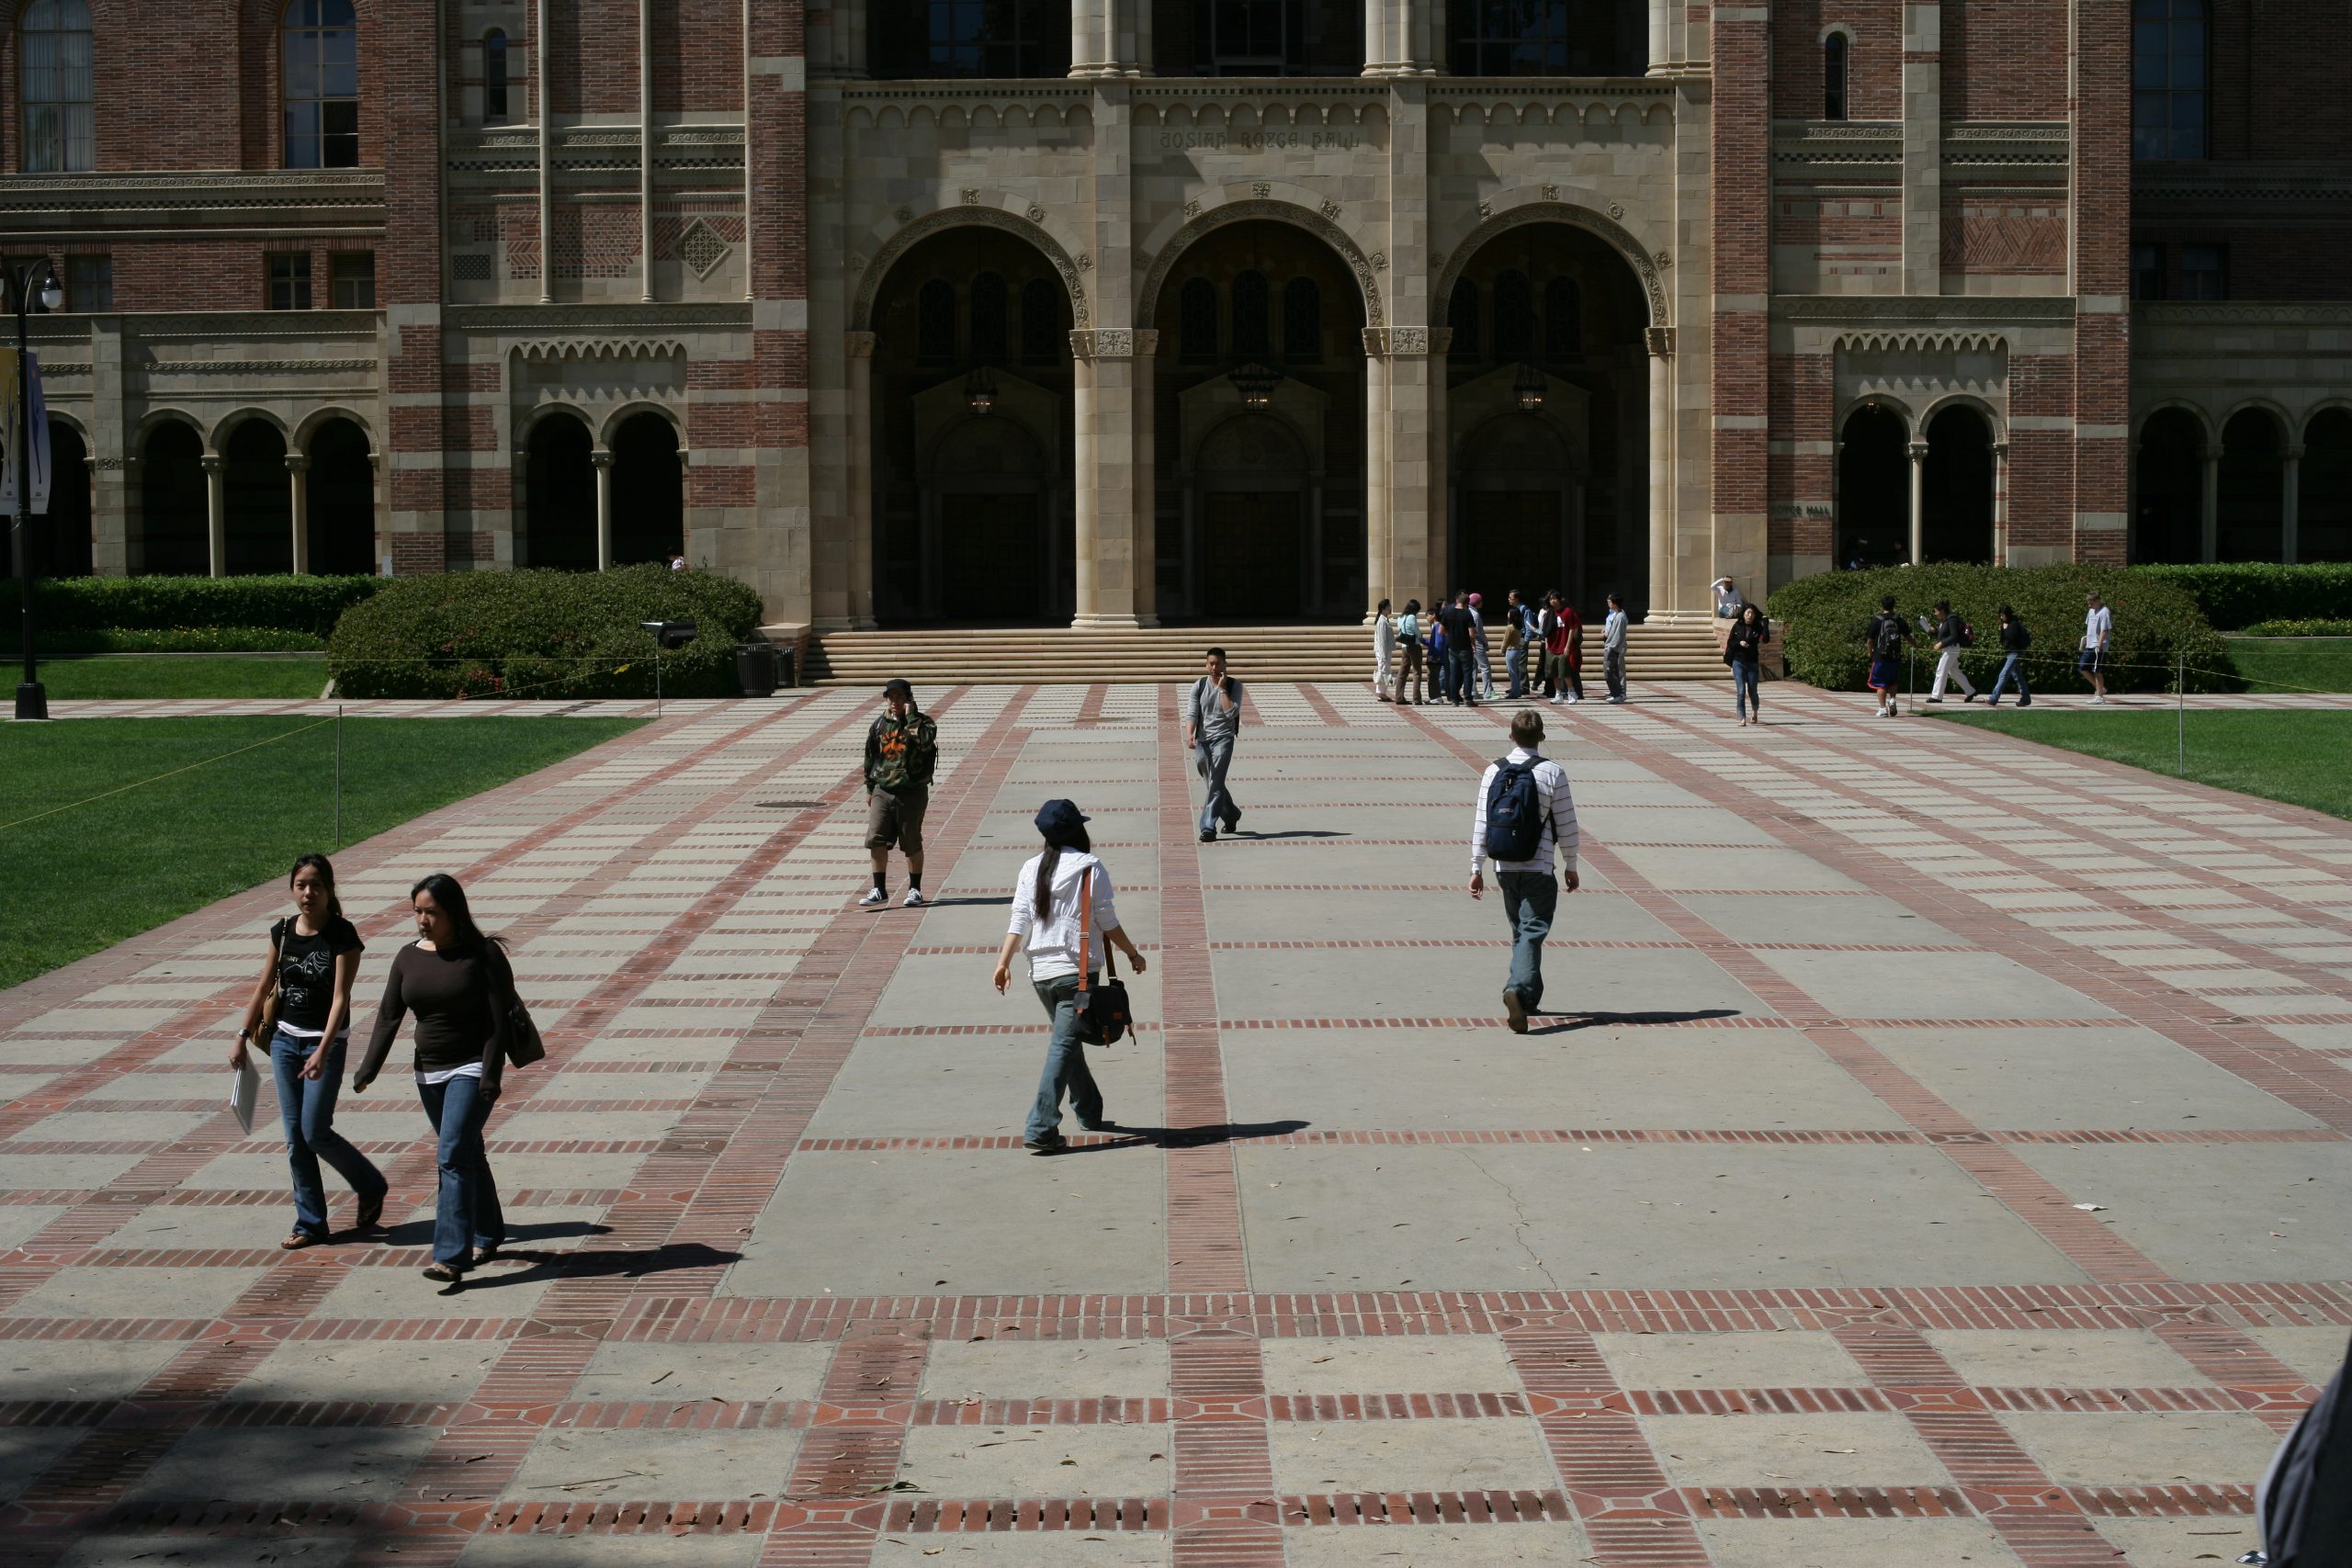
[313, 958]
[1744, 651]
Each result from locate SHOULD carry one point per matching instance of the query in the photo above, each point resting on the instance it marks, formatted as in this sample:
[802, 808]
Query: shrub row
[1823, 619]
[182, 639]
[541, 634]
[310, 604]
[2239, 593]
[2299, 628]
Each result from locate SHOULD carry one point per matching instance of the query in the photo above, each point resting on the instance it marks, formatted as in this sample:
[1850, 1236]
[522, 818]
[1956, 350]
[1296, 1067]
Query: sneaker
[1573, 701]
[913, 900]
[1209, 837]
[2025, 702]
[2099, 702]
[875, 899]
[1052, 1145]
[1970, 698]
[1515, 1011]
[1103, 1126]
[1935, 699]
[1233, 823]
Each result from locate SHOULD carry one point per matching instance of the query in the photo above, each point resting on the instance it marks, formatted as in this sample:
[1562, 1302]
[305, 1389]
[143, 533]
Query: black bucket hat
[1059, 818]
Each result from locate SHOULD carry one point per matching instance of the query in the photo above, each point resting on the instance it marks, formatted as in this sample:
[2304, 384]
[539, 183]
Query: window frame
[1837, 74]
[85, 274]
[2147, 269]
[497, 78]
[71, 145]
[296, 280]
[2157, 144]
[2183, 272]
[341, 270]
[331, 139]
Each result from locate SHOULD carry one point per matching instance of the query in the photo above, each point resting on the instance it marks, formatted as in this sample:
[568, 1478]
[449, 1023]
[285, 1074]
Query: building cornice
[1898, 312]
[541, 321]
[345, 198]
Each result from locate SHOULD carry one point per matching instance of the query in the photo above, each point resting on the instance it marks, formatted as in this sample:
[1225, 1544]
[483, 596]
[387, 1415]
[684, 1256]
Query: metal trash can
[755, 668]
[786, 665]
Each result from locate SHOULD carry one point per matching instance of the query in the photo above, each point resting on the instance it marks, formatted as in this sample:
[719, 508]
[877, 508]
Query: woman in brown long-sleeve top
[452, 977]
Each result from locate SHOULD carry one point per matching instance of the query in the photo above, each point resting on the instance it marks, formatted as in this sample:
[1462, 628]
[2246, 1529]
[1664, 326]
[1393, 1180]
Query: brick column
[216, 514]
[776, 116]
[1923, 149]
[2290, 490]
[2101, 118]
[298, 485]
[1918, 452]
[418, 390]
[644, 151]
[1740, 345]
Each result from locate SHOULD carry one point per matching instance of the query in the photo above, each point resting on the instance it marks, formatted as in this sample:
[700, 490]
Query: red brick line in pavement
[1090, 707]
[1322, 706]
[2279, 1067]
[1866, 1136]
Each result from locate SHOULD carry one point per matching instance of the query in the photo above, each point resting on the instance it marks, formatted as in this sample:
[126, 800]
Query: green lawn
[2288, 663]
[185, 675]
[2294, 757]
[90, 875]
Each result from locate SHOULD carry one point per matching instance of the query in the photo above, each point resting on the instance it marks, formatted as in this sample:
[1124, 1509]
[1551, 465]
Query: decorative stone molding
[869, 282]
[618, 318]
[1896, 312]
[298, 462]
[1331, 233]
[2170, 313]
[1926, 341]
[1104, 342]
[249, 367]
[1383, 343]
[1659, 340]
[700, 248]
[1646, 268]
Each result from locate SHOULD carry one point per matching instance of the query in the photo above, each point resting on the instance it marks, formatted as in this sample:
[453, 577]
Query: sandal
[444, 1273]
[371, 1213]
[482, 1254]
[298, 1240]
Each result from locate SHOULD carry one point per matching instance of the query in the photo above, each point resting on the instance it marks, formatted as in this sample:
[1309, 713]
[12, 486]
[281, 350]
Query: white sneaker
[913, 900]
[2099, 702]
[1573, 700]
[875, 899]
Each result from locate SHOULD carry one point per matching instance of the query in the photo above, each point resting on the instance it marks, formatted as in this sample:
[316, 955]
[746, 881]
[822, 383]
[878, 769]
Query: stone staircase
[941, 656]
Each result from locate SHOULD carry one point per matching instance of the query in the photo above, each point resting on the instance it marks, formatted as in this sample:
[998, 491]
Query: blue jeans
[1515, 665]
[1214, 756]
[307, 1106]
[1066, 1069]
[1530, 898]
[2013, 665]
[466, 1212]
[1458, 687]
[1743, 678]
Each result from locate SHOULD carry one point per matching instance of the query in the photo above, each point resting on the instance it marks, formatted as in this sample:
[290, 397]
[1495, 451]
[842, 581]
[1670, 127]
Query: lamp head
[53, 294]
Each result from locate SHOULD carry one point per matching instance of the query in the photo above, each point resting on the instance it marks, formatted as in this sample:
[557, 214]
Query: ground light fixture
[980, 393]
[33, 290]
[1256, 384]
[1528, 387]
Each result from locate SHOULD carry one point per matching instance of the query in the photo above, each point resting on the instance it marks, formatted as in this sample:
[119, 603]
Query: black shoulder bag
[523, 1046]
[1103, 1012]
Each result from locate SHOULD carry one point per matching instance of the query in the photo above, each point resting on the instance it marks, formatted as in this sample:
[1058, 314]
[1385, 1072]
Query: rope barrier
[159, 778]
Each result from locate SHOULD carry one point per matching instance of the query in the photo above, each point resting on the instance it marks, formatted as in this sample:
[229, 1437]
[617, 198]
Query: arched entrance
[171, 536]
[649, 491]
[558, 496]
[341, 510]
[2253, 491]
[2325, 523]
[970, 408]
[1547, 420]
[1873, 522]
[258, 500]
[58, 543]
[2168, 491]
[1259, 429]
[1956, 503]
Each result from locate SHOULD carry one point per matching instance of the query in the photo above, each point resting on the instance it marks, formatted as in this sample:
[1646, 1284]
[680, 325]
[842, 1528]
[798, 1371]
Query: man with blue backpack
[1524, 819]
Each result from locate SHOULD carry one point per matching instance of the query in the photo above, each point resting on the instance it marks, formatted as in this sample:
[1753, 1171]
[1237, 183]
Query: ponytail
[1075, 839]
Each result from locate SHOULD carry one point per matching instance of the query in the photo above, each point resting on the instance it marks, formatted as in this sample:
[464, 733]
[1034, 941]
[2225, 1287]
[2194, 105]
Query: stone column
[216, 511]
[2291, 489]
[540, 57]
[1661, 26]
[1090, 25]
[602, 463]
[1145, 465]
[2000, 503]
[1918, 502]
[1659, 340]
[1108, 582]
[1381, 574]
[644, 149]
[860, 464]
[1923, 151]
[298, 484]
[2209, 516]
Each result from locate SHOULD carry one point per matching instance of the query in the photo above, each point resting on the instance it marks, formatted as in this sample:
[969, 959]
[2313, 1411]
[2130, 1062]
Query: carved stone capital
[600, 460]
[1919, 450]
[859, 344]
[1659, 340]
[1103, 342]
[297, 462]
[213, 463]
[1385, 342]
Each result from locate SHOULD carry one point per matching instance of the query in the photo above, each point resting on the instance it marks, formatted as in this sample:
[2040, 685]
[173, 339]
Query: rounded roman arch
[886, 257]
[1259, 209]
[1617, 236]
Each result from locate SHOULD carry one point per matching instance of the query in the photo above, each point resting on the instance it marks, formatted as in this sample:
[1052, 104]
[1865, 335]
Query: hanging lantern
[1256, 384]
[980, 393]
[1529, 387]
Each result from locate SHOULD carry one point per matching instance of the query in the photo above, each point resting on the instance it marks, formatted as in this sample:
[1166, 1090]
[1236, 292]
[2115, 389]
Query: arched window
[494, 78]
[935, 321]
[2169, 78]
[60, 112]
[991, 329]
[1302, 320]
[1196, 320]
[1462, 317]
[1041, 322]
[321, 78]
[1514, 316]
[1252, 312]
[1834, 61]
[1563, 318]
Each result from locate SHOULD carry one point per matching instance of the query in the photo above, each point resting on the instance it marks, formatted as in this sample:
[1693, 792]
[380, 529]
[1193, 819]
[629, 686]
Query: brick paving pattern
[1769, 1246]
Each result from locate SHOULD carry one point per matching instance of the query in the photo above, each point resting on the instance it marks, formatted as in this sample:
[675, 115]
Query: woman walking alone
[313, 959]
[1744, 651]
[1062, 912]
[458, 983]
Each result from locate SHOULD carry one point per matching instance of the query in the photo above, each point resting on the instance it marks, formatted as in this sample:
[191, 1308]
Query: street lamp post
[32, 702]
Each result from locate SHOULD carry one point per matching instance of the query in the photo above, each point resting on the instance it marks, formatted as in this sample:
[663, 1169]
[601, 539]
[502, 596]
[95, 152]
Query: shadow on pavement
[663, 1259]
[1574, 1021]
[1185, 1137]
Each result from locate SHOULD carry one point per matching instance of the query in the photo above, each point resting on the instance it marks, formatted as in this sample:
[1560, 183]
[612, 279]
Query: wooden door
[988, 558]
[1250, 568]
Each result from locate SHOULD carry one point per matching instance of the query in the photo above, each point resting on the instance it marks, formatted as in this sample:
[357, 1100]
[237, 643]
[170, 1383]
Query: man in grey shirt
[1211, 719]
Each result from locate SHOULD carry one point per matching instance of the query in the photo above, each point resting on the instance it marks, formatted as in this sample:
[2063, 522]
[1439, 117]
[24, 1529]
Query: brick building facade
[1137, 308]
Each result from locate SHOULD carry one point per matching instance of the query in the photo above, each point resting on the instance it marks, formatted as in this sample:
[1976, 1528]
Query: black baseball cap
[898, 688]
[1056, 818]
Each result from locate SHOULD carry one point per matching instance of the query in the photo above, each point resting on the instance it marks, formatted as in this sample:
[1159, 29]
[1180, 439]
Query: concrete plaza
[1937, 1155]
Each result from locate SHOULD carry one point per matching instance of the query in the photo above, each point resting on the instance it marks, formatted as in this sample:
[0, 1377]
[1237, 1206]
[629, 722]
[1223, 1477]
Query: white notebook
[245, 1090]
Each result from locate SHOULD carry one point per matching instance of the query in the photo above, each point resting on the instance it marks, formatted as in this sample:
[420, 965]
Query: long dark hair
[327, 877]
[1075, 838]
[452, 899]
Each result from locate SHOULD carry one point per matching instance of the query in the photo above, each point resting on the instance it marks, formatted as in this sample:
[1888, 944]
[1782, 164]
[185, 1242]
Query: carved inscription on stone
[1277, 139]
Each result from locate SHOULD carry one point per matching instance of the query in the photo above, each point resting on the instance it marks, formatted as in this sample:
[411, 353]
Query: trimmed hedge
[1823, 618]
[2239, 593]
[2297, 628]
[183, 639]
[541, 634]
[308, 604]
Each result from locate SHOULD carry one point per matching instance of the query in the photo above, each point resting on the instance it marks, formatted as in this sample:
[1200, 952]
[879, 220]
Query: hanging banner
[40, 466]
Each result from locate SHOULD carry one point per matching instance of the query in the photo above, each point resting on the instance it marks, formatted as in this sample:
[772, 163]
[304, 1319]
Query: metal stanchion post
[2180, 707]
[338, 776]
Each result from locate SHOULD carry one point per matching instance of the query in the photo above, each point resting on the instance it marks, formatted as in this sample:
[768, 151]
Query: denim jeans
[1515, 666]
[1210, 760]
[1530, 898]
[466, 1213]
[1458, 684]
[2013, 665]
[1743, 678]
[1066, 1069]
[307, 1106]
[1612, 670]
[1482, 661]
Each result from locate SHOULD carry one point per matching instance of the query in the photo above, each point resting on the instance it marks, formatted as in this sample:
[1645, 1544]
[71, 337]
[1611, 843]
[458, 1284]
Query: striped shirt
[1559, 817]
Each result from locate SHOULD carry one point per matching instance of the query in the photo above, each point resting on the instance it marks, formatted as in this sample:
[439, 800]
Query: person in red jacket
[1564, 650]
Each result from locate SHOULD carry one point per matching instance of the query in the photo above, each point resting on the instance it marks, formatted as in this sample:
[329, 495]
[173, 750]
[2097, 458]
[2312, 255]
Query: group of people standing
[1543, 648]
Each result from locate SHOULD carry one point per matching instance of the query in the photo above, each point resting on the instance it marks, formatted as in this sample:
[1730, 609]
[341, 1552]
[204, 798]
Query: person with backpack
[1524, 818]
[1409, 655]
[2015, 640]
[1384, 648]
[1884, 644]
[1953, 633]
[901, 754]
[1212, 724]
[1062, 909]
[1744, 651]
